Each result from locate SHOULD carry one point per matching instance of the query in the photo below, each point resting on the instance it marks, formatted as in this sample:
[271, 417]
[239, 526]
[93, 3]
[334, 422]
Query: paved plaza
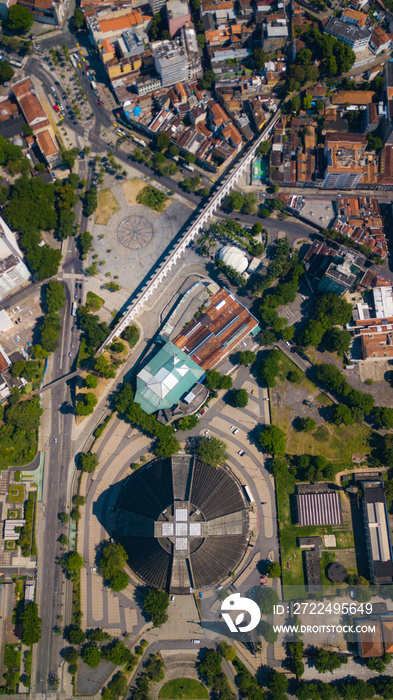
[134, 239]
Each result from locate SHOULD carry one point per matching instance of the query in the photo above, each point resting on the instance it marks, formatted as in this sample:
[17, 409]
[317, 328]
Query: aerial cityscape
[196, 349]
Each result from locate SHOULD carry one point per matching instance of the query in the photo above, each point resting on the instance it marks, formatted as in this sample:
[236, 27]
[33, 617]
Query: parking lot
[24, 317]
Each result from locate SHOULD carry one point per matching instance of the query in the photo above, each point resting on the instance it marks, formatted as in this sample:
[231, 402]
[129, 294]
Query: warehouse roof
[319, 508]
[166, 378]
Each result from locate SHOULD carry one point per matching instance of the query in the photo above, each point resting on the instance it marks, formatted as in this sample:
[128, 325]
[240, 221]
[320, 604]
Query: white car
[232, 427]
[241, 453]
[195, 641]
[235, 432]
[55, 440]
[172, 598]
[207, 432]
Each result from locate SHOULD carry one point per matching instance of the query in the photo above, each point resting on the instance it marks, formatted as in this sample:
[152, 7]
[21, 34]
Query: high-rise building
[171, 62]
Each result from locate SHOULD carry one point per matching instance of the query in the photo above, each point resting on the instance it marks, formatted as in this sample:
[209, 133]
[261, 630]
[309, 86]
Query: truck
[93, 85]
[248, 494]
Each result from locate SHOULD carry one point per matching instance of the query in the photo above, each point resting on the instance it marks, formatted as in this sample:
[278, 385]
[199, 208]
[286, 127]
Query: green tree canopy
[274, 569]
[31, 633]
[212, 452]
[54, 296]
[72, 561]
[91, 655]
[6, 71]
[383, 417]
[19, 20]
[155, 604]
[113, 558]
[238, 398]
[88, 461]
[272, 440]
[247, 357]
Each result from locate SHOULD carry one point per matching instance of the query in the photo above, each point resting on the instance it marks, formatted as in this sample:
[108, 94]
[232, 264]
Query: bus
[188, 167]
[14, 62]
[93, 85]
[73, 61]
[73, 309]
[248, 494]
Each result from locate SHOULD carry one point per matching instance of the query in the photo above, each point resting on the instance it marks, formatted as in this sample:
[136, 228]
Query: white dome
[230, 255]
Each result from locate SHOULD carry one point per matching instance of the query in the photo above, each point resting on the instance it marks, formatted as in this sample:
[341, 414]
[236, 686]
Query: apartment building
[354, 36]
[347, 163]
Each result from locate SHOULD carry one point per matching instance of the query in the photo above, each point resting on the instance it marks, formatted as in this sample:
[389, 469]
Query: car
[93, 568]
[17, 338]
[232, 427]
[99, 103]
[253, 391]
[199, 415]
[72, 345]
[207, 432]
[303, 297]
[235, 432]
[72, 329]
[203, 411]
[70, 354]
[241, 453]
[195, 641]
[55, 439]
[75, 296]
[288, 343]
[79, 65]
[55, 107]
[115, 125]
[263, 583]
[172, 598]
[201, 595]
[243, 343]
[266, 398]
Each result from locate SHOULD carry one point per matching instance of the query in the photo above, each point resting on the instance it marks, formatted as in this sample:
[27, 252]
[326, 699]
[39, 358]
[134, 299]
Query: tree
[212, 452]
[295, 103]
[295, 375]
[328, 660]
[166, 445]
[54, 295]
[228, 652]
[341, 413]
[163, 141]
[334, 308]
[249, 202]
[268, 632]
[31, 633]
[238, 398]
[247, 357]
[272, 440]
[6, 71]
[88, 461]
[338, 341]
[278, 684]
[274, 569]
[113, 558]
[90, 201]
[257, 227]
[72, 561]
[131, 335]
[307, 99]
[91, 655]
[155, 604]
[306, 425]
[383, 417]
[19, 20]
[75, 635]
[91, 381]
[287, 333]
[208, 80]
[70, 654]
[85, 406]
[68, 156]
[118, 685]
[374, 142]
[259, 57]
[266, 598]
[78, 18]
[234, 200]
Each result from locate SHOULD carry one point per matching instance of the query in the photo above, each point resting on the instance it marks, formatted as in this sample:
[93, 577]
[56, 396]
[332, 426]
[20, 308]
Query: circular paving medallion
[135, 232]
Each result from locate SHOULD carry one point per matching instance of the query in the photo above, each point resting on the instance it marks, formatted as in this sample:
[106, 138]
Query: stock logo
[235, 603]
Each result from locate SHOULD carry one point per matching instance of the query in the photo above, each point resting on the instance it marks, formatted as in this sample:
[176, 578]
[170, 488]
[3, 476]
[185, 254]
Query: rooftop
[166, 378]
[345, 31]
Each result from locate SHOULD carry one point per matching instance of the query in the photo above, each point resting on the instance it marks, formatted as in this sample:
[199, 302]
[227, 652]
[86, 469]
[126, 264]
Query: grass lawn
[324, 399]
[16, 493]
[183, 689]
[93, 301]
[107, 206]
[152, 198]
[286, 366]
[336, 443]
[345, 540]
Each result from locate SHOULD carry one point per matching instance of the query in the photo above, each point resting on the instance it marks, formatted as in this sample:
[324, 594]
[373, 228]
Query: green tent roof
[168, 376]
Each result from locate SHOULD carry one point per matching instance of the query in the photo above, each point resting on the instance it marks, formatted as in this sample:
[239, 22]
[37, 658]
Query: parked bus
[73, 309]
[93, 85]
[188, 167]
[14, 62]
[248, 494]
[73, 62]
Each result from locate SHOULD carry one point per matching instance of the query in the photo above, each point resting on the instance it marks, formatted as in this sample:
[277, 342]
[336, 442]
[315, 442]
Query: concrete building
[338, 278]
[356, 37]
[383, 302]
[178, 14]
[377, 341]
[217, 331]
[168, 376]
[347, 164]
[47, 11]
[376, 524]
[170, 61]
[156, 5]
[380, 41]
[13, 271]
